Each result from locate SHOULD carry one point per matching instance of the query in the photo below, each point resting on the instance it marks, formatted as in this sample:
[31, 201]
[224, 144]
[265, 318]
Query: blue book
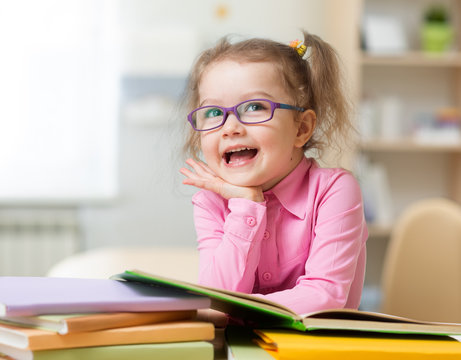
[28, 296]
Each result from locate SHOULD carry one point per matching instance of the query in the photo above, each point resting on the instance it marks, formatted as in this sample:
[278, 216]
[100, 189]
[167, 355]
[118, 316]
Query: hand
[218, 318]
[204, 178]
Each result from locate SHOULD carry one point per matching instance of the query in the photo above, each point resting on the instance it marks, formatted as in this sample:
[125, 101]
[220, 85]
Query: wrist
[256, 195]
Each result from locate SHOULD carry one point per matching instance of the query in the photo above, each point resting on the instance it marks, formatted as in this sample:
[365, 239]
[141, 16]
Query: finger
[206, 168]
[203, 184]
[186, 172]
[195, 166]
[201, 168]
[190, 161]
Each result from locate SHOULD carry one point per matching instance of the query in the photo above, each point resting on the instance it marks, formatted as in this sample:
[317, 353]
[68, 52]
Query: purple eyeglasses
[252, 111]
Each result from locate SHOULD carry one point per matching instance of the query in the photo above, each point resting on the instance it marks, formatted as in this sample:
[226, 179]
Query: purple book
[28, 296]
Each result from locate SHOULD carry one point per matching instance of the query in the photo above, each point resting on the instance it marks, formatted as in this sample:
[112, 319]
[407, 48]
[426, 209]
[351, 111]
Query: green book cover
[258, 312]
[241, 344]
[192, 350]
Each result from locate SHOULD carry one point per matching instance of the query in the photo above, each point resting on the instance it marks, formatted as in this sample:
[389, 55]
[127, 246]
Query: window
[58, 101]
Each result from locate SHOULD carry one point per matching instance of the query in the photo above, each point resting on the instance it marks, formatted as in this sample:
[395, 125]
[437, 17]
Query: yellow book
[287, 345]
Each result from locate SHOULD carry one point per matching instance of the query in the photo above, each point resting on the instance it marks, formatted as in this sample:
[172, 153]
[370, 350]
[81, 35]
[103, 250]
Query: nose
[232, 126]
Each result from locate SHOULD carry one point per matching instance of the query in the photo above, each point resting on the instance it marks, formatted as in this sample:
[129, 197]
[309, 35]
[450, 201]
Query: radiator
[32, 240]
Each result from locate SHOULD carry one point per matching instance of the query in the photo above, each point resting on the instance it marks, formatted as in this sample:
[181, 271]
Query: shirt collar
[292, 190]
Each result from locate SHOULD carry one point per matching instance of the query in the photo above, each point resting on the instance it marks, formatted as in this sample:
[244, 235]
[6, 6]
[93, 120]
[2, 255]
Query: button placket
[267, 276]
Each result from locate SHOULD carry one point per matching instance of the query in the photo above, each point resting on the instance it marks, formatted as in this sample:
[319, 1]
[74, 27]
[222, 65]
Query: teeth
[227, 154]
[239, 149]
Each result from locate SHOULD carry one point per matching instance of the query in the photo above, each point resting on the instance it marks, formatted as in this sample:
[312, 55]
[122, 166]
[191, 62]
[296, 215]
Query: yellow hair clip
[299, 47]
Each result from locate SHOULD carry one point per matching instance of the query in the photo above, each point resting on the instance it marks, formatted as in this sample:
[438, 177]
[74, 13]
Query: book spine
[167, 332]
[109, 321]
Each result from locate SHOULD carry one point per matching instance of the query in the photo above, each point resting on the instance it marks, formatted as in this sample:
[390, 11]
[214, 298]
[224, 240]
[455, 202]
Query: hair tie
[299, 46]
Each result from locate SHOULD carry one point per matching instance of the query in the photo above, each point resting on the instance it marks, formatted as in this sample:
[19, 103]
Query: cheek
[275, 138]
[209, 147]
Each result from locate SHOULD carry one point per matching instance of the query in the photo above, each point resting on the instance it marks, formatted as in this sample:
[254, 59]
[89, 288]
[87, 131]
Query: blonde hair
[314, 82]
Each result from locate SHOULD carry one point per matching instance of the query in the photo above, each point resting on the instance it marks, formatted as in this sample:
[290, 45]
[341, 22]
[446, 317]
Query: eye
[213, 112]
[254, 106]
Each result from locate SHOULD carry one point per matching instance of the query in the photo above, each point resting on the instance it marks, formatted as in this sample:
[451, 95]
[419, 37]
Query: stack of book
[275, 331]
[137, 315]
[67, 318]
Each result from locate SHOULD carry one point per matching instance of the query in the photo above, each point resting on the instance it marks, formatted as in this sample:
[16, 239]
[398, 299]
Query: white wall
[279, 20]
[154, 207]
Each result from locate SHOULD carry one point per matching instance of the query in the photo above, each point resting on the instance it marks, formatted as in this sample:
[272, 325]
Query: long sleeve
[304, 247]
[229, 240]
[334, 268]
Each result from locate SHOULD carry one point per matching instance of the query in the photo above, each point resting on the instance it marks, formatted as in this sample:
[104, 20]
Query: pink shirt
[304, 247]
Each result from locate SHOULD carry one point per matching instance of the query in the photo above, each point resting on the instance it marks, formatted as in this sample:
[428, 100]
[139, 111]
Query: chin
[239, 181]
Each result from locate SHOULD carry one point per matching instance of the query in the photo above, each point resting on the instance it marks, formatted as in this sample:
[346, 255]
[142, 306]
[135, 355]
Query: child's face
[275, 147]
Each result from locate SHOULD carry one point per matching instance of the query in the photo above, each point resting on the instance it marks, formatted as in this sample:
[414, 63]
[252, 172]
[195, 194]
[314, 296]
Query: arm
[336, 258]
[229, 241]
[229, 236]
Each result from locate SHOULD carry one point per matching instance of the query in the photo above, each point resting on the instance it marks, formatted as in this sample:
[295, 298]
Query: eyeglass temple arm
[290, 107]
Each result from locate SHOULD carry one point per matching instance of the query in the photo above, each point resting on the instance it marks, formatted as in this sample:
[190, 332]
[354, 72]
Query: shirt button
[267, 276]
[266, 235]
[251, 221]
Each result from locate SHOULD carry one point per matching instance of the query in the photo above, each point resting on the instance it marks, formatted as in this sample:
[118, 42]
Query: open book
[258, 312]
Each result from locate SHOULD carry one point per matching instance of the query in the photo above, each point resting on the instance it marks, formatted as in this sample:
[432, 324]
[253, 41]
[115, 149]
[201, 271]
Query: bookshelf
[421, 84]
[412, 58]
[407, 145]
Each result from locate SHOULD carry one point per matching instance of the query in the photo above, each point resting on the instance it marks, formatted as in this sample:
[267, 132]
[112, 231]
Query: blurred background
[91, 128]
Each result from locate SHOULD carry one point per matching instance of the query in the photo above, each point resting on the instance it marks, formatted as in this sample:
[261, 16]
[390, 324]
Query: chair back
[422, 266]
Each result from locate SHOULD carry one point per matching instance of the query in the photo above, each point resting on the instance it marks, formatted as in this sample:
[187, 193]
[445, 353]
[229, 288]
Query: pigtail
[327, 94]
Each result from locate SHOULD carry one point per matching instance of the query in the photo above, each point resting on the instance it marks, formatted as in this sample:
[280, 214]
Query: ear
[306, 126]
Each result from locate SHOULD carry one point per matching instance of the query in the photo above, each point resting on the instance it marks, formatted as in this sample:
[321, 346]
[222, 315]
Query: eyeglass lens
[252, 111]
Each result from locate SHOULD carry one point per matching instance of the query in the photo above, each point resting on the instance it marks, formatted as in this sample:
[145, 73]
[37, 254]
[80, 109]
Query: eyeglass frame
[233, 109]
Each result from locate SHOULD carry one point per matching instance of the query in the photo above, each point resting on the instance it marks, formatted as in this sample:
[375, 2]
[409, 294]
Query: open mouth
[239, 155]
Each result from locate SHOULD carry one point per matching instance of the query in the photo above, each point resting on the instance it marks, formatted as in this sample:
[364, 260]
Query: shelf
[420, 163]
[413, 58]
[407, 145]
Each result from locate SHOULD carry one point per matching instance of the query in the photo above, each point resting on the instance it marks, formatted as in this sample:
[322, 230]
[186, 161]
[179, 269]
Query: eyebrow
[249, 96]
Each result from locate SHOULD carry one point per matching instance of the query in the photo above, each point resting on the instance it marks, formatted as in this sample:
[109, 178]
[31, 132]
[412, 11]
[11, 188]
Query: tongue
[242, 155]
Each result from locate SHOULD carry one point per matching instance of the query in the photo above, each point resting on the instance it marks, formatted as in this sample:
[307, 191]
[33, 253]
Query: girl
[269, 220]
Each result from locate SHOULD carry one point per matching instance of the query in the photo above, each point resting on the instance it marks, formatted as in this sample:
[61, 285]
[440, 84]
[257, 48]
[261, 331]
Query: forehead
[234, 80]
